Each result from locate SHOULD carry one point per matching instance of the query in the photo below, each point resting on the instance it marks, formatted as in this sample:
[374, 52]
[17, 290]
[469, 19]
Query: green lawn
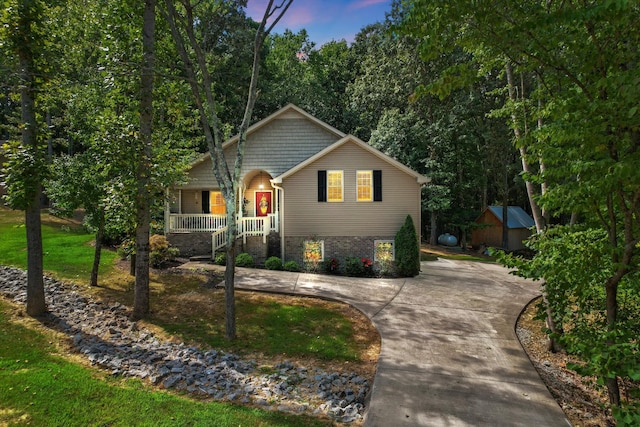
[38, 387]
[298, 329]
[67, 247]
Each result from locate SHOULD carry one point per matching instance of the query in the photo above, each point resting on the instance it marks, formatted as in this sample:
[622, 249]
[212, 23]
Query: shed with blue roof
[519, 228]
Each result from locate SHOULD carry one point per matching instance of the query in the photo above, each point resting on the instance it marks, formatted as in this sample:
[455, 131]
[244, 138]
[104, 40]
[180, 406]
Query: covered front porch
[193, 209]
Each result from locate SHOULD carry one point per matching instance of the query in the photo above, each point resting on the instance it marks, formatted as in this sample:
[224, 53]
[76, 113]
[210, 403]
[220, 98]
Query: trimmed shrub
[160, 251]
[273, 263]
[330, 266]
[291, 266]
[244, 260]
[407, 250]
[353, 267]
[220, 258]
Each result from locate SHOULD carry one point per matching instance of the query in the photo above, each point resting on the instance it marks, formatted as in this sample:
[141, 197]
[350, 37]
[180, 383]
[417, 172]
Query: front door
[206, 207]
[263, 203]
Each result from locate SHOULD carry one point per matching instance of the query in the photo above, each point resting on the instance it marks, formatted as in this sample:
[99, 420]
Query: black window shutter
[377, 186]
[322, 186]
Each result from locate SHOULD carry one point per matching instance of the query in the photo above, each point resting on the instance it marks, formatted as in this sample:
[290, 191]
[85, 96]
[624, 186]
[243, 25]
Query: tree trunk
[141, 293]
[96, 256]
[229, 293]
[613, 389]
[531, 193]
[505, 224]
[433, 237]
[554, 345]
[35, 283]
[201, 86]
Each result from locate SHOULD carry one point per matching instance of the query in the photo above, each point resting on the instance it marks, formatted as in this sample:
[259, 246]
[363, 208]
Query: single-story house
[519, 225]
[307, 188]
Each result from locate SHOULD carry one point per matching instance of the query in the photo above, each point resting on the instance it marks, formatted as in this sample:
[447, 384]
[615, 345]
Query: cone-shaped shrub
[407, 250]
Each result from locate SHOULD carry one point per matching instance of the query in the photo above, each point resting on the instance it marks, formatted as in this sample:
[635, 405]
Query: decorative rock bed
[104, 334]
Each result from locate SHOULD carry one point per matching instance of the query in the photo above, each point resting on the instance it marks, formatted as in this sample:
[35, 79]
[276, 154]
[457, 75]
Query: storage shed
[519, 224]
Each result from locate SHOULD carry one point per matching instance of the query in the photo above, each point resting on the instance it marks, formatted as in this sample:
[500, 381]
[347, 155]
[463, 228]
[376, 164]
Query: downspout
[422, 182]
[280, 216]
[167, 210]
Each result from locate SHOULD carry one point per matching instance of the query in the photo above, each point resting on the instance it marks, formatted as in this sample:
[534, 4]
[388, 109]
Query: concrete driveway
[450, 355]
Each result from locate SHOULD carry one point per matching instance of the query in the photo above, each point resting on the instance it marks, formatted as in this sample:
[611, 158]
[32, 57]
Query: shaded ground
[177, 294]
[581, 398]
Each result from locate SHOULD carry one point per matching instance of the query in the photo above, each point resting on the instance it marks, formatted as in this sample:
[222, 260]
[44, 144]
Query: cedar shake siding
[306, 216]
[274, 148]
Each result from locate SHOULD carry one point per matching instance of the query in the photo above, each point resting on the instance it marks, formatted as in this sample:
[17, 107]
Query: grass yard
[41, 386]
[43, 382]
[66, 246]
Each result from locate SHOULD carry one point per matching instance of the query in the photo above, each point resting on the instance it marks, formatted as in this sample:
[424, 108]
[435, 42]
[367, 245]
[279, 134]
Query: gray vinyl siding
[201, 176]
[284, 143]
[275, 148]
[305, 216]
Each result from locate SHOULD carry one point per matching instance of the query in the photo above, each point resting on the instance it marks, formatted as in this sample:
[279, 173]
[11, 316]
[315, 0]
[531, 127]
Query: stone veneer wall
[191, 244]
[341, 247]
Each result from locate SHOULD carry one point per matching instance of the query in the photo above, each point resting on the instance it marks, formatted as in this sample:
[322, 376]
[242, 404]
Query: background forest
[366, 88]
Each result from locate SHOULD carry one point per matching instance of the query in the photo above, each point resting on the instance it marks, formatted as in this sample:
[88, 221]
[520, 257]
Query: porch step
[197, 258]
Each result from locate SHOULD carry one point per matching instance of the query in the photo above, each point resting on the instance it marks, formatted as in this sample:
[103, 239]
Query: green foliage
[273, 263]
[291, 266]
[407, 249]
[22, 173]
[126, 248]
[574, 265]
[220, 258]
[160, 251]
[353, 267]
[244, 260]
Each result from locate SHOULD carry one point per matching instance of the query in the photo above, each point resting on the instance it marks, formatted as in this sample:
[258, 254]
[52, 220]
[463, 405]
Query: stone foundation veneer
[339, 247]
[191, 244]
[198, 244]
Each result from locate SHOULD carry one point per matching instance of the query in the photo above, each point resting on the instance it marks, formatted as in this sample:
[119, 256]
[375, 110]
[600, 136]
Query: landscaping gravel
[104, 334]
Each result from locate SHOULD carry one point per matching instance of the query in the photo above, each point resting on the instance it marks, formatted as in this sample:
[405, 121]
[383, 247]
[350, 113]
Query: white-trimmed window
[364, 186]
[335, 188]
[313, 250]
[218, 206]
[383, 251]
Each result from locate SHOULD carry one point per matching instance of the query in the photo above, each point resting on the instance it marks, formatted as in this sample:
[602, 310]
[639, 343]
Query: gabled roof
[287, 109]
[516, 216]
[350, 138]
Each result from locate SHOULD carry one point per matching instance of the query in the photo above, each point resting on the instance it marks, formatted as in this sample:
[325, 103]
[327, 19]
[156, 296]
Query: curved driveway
[450, 355]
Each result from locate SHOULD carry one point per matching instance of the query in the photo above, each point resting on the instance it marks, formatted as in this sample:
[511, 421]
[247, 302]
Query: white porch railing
[193, 223]
[247, 226]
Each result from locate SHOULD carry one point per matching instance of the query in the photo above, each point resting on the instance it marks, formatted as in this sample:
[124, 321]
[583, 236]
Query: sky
[326, 20]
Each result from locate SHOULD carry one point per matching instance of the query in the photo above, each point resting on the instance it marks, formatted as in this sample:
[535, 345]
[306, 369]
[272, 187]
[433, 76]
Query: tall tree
[23, 31]
[144, 163]
[183, 23]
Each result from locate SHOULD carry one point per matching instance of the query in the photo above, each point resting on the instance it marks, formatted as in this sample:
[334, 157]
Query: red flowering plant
[333, 265]
[367, 266]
